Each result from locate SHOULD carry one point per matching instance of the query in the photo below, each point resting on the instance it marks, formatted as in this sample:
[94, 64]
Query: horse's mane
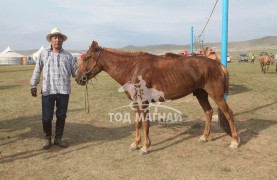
[139, 55]
[127, 52]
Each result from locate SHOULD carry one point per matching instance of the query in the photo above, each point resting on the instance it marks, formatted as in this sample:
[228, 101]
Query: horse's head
[90, 65]
[271, 60]
[206, 51]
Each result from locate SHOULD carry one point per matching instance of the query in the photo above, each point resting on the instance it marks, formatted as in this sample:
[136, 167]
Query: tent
[10, 57]
[35, 56]
[76, 56]
[6, 50]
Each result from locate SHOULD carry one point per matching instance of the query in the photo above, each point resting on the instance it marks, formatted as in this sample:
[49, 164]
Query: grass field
[99, 147]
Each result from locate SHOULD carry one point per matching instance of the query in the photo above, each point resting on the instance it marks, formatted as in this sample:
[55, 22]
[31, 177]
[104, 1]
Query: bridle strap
[86, 100]
[85, 76]
[97, 58]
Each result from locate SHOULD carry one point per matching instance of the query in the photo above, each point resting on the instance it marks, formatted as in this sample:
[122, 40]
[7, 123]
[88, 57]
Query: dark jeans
[48, 103]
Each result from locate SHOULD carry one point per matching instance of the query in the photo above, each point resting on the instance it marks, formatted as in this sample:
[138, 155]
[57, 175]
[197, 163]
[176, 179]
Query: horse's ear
[206, 51]
[94, 46]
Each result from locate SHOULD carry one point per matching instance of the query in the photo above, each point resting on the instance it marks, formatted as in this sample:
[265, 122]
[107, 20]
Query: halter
[85, 76]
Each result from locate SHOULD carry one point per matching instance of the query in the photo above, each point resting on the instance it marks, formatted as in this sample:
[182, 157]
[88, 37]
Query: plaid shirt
[57, 69]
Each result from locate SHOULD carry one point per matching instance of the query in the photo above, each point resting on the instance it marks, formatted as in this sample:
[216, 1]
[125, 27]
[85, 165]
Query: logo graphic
[141, 94]
[143, 99]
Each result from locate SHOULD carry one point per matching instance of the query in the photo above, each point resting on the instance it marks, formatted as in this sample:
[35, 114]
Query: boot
[47, 129]
[59, 133]
[47, 143]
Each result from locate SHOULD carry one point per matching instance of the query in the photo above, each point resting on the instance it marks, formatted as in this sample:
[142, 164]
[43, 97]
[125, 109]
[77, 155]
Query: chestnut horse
[208, 52]
[265, 60]
[176, 77]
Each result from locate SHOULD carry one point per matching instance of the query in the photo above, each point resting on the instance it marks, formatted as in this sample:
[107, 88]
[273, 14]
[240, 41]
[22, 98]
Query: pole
[224, 40]
[191, 40]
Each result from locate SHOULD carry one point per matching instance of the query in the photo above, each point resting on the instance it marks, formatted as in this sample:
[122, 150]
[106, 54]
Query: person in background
[276, 62]
[57, 66]
[252, 58]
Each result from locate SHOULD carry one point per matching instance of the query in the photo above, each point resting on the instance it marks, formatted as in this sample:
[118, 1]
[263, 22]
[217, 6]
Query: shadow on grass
[9, 87]
[17, 70]
[83, 134]
[75, 133]
[248, 130]
[194, 130]
[256, 108]
[237, 89]
[252, 128]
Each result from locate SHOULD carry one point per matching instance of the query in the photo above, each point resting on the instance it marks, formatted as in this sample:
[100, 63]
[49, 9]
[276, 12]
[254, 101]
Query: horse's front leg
[136, 145]
[262, 68]
[146, 125]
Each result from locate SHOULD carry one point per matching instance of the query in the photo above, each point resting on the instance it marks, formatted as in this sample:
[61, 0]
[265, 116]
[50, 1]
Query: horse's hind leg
[263, 69]
[202, 98]
[228, 113]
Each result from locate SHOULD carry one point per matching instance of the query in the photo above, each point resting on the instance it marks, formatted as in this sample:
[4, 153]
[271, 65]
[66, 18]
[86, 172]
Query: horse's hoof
[143, 151]
[134, 147]
[235, 143]
[203, 139]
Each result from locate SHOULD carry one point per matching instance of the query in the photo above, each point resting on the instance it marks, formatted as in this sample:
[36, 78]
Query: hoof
[134, 147]
[143, 151]
[203, 139]
[235, 144]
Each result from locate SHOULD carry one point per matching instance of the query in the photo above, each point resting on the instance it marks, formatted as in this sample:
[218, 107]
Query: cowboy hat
[55, 31]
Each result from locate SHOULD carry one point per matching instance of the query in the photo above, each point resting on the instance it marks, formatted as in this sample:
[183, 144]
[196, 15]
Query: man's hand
[34, 92]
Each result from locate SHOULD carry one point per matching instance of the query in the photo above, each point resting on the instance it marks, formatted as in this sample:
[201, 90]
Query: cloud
[123, 22]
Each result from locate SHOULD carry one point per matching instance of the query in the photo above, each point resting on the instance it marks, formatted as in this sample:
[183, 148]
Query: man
[276, 62]
[252, 58]
[57, 66]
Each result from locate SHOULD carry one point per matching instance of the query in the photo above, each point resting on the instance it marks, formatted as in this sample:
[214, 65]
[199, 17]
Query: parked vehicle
[229, 58]
[242, 58]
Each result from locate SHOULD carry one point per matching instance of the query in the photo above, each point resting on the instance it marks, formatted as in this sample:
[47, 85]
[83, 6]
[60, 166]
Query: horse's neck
[118, 66]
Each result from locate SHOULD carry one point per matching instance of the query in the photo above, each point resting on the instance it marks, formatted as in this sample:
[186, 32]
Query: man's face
[56, 41]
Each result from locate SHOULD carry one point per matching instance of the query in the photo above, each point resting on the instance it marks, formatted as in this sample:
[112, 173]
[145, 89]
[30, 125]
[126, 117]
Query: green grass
[249, 89]
[99, 147]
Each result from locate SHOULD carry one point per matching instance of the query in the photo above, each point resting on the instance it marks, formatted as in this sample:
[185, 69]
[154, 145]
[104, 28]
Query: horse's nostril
[84, 78]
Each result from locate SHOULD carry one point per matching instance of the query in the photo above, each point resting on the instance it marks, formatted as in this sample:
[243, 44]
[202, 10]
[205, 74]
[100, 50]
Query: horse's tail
[223, 122]
[226, 79]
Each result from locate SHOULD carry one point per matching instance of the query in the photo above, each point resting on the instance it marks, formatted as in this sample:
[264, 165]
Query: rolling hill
[269, 42]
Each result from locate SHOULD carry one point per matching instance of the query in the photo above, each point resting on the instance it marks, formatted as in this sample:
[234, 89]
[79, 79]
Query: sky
[24, 24]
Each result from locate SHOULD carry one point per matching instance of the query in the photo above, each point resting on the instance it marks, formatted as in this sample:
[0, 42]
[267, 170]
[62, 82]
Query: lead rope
[86, 90]
[86, 99]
